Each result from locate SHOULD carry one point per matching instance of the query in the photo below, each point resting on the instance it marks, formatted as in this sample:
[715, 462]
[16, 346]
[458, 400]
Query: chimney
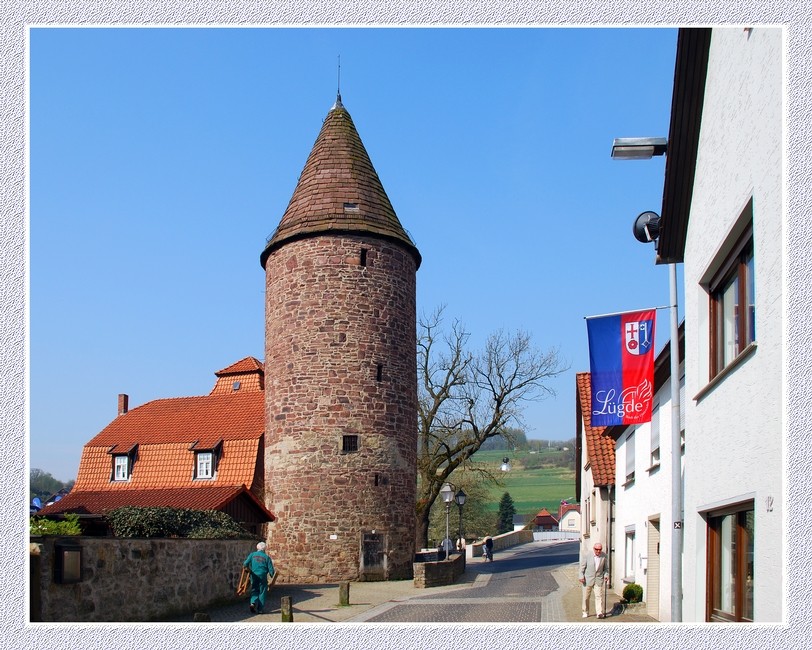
[123, 403]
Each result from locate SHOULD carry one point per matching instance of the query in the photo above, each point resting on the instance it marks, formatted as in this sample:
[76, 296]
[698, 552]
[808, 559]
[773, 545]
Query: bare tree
[466, 398]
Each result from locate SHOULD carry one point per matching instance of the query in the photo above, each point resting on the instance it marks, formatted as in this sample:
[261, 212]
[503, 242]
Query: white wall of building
[641, 503]
[734, 432]
[570, 521]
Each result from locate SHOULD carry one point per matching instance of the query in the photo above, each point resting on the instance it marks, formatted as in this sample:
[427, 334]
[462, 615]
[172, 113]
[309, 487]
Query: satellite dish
[646, 227]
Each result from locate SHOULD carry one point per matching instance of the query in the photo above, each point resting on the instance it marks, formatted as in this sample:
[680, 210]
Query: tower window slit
[363, 257]
[379, 375]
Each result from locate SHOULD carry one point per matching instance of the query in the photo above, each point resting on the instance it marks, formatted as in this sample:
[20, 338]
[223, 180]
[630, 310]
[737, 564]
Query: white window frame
[204, 464]
[121, 467]
[628, 568]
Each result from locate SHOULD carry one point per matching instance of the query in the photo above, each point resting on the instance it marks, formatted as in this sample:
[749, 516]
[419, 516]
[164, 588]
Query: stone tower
[340, 371]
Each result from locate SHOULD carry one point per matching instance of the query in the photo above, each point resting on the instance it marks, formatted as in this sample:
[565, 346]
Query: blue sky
[161, 160]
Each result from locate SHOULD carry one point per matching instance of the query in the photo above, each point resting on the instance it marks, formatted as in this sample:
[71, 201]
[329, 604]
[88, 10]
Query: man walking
[592, 574]
[260, 565]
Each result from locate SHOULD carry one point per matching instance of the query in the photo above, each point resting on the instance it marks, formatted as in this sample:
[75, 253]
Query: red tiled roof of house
[339, 191]
[169, 465]
[207, 419]
[249, 364]
[101, 501]
[600, 449]
[566, 507]
[545, 514]
[244, 376]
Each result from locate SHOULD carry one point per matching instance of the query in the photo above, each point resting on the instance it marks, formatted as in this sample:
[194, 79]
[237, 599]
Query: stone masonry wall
[136, 579]
[436, 574]
[340, 359]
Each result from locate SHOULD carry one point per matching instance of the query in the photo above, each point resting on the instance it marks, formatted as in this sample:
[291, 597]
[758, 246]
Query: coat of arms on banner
[638, 335]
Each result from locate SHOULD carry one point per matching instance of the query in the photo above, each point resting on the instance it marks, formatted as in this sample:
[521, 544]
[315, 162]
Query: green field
[530, 489]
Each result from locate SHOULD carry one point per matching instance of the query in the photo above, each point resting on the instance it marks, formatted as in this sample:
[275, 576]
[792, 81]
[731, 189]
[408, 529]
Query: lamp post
[648, 231]
[447, 495]
[459, 498]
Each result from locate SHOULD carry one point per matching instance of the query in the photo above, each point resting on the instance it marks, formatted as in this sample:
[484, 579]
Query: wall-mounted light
[638, 148]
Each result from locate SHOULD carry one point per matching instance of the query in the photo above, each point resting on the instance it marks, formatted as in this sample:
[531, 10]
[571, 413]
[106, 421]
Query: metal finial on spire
[338, 103]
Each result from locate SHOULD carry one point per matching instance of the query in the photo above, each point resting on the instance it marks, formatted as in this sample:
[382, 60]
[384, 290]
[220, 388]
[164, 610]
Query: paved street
[518, 586]
[534, 582]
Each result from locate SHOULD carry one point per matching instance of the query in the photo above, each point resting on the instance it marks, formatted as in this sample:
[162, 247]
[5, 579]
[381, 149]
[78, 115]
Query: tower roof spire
[339, 191]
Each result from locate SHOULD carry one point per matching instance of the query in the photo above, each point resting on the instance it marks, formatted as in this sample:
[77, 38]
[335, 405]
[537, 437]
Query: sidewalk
[320, 603]
[570, 590]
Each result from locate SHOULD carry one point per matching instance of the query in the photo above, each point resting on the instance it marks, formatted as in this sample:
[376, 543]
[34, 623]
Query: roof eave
[690, 74]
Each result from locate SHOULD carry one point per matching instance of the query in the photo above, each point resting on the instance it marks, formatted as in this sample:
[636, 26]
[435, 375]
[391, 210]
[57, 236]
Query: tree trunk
[422, 532]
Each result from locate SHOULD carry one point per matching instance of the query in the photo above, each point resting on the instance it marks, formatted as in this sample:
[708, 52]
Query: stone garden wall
[135, 579]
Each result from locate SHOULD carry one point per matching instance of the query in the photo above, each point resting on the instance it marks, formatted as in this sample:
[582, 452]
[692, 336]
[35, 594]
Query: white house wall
[570, 521]
[598, 507]
[648, 498]
[734, 431]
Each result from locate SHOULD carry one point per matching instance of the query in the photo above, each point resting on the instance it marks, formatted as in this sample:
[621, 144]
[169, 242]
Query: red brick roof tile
[186, 419]
[247, 365]
[600, 449]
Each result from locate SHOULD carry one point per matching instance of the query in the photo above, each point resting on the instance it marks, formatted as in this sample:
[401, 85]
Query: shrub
[131, 521]
[633, 593]
[67, 526]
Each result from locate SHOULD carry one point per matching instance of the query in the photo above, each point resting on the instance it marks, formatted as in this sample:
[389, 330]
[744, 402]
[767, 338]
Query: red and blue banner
[621, 362]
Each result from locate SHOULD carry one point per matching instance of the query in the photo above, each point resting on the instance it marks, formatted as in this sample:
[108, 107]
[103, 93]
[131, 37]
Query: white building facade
[643, 518]
[729, 234]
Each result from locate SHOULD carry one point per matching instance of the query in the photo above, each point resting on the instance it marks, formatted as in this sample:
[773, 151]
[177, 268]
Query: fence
[551, 535]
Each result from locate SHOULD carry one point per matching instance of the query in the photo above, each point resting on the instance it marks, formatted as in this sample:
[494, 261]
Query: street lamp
[460, 499]
[646, 229]
[638, 148]
[447, 495]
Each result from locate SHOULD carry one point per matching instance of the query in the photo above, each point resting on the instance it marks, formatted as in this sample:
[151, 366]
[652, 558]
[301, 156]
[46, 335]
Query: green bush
[67, 526]
[131, 521]
[633, 593]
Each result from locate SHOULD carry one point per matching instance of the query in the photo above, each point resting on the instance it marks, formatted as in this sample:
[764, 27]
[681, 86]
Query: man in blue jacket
[260, 565]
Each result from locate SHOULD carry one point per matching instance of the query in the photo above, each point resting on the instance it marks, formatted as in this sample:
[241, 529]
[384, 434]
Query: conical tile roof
[339, 191]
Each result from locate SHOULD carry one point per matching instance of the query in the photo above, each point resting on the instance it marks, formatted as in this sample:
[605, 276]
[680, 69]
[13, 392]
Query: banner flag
[621, 362]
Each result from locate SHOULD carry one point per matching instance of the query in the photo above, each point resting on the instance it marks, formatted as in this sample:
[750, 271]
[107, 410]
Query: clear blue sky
[162, 159]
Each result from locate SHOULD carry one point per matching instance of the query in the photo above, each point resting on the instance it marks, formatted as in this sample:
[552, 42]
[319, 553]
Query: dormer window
[206, 460]
[121, 471]
[204, 464]
[123, 461]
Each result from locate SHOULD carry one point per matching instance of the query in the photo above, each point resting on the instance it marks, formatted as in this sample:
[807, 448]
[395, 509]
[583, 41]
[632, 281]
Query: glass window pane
[204, 465]
[727, 565]
[630, 454]
[749, 266]
[749, 563]
[121, 468]
[730, 330]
